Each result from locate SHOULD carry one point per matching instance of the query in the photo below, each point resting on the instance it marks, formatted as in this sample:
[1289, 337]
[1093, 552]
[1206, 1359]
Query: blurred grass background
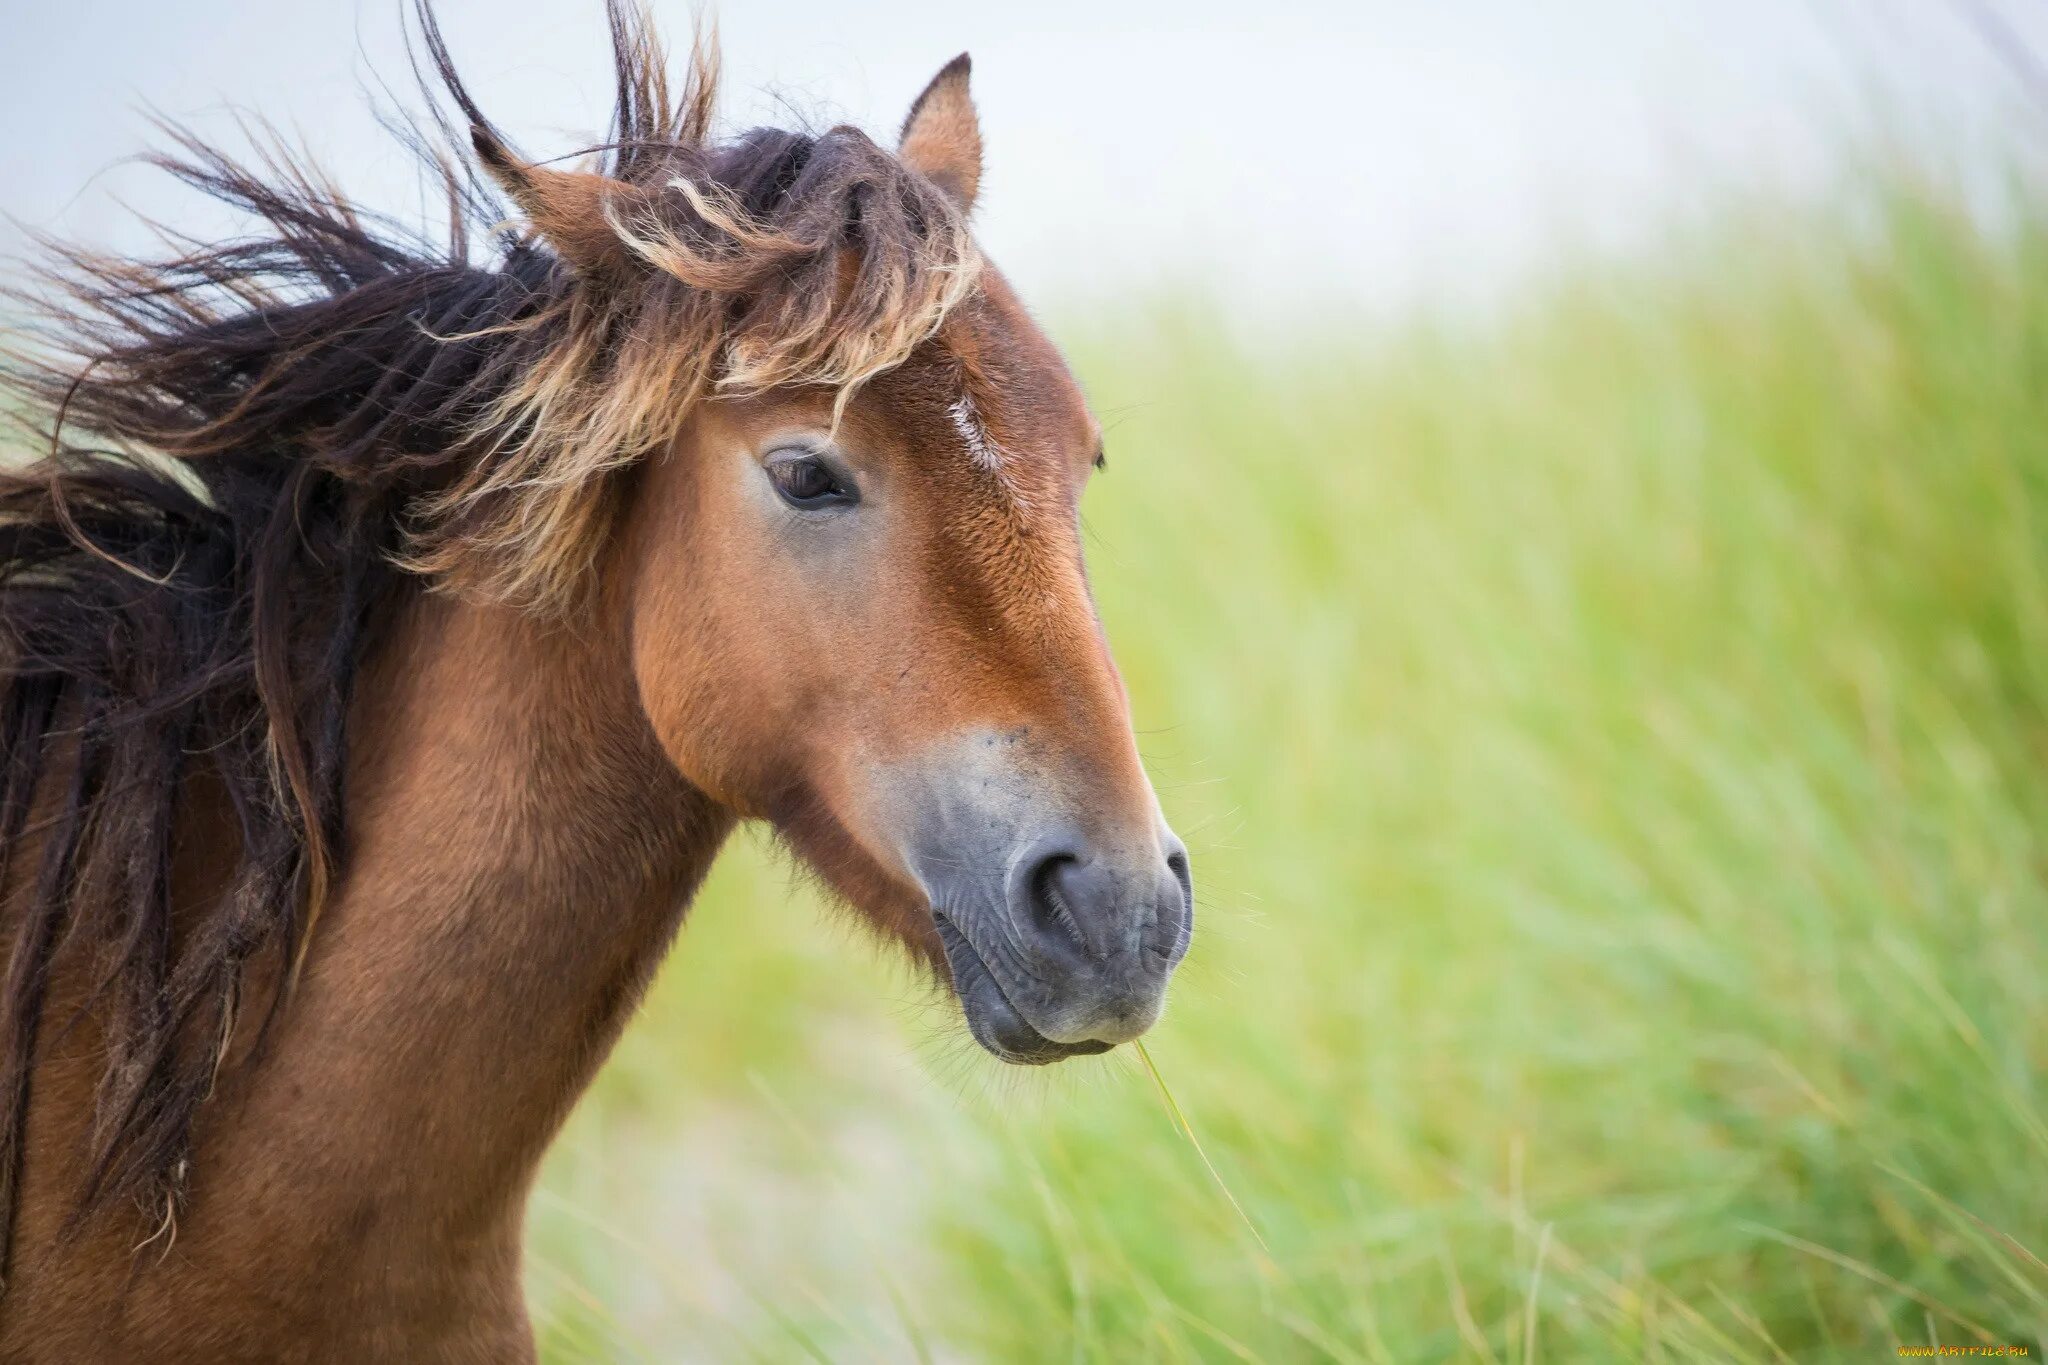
[1611, 737]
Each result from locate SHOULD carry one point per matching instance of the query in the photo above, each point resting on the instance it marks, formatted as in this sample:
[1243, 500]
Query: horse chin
[996, 1024]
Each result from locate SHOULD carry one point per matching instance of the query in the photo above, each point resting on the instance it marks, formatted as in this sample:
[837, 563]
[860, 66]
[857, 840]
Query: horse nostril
[1051, 909]
[1180, 924]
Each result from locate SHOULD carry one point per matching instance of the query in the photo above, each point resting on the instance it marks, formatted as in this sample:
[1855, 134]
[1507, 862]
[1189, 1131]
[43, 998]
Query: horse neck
[520, 854]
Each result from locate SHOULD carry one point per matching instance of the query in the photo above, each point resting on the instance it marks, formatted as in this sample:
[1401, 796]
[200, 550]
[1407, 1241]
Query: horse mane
[254, 448]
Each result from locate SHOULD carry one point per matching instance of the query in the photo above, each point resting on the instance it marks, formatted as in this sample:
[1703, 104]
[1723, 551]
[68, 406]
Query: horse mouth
[1000, 1028]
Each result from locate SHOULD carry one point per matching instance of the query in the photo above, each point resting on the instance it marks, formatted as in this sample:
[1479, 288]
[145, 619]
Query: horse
[400, 618]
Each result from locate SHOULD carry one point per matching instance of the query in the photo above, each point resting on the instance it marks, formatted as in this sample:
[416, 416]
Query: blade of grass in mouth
[1180, 1121]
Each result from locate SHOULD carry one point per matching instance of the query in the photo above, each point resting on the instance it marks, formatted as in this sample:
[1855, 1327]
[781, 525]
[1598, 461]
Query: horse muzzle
[1069, 951]
[1061, 899]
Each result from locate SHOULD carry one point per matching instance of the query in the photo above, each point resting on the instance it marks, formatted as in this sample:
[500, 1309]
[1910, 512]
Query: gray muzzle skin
[1060, 933]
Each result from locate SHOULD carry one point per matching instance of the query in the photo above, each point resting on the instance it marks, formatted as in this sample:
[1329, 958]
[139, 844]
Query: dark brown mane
[253, 447]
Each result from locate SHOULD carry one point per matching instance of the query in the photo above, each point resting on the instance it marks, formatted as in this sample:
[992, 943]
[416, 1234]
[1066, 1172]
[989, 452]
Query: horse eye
[807, 482]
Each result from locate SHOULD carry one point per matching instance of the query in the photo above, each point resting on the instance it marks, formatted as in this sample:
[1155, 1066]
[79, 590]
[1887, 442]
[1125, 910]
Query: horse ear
[942, 136]
[567, 208]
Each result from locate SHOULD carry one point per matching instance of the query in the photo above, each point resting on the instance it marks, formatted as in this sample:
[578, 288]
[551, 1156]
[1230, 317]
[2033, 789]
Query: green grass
[1612, 741]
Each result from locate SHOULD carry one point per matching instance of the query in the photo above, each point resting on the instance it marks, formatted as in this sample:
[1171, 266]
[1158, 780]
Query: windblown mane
[252, 448]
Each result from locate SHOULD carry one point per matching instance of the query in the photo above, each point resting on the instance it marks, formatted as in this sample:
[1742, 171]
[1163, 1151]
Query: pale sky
[1286, 154]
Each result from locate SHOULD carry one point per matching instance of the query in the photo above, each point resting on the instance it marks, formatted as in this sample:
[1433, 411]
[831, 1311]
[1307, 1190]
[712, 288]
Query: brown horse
[384, 665]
